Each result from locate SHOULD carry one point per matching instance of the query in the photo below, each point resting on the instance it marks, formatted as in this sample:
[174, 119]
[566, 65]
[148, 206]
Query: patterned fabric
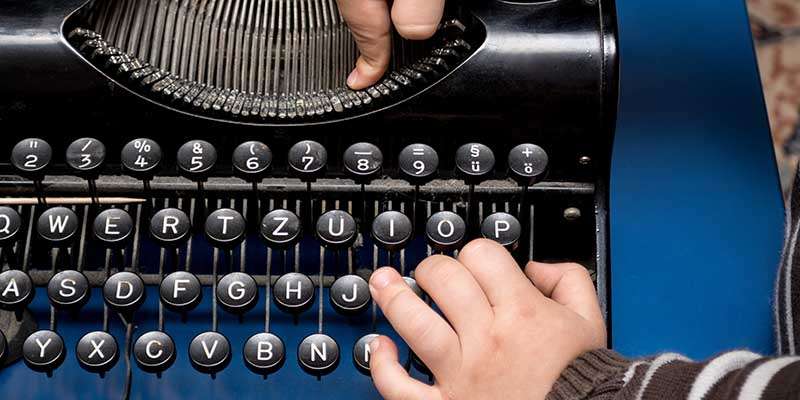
[776, 31]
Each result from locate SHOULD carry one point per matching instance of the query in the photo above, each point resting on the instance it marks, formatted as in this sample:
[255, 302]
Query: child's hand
[369, 20]
[506, 338]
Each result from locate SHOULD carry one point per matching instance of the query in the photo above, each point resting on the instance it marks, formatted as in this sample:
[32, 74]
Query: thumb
[570, 285]
[369, 20]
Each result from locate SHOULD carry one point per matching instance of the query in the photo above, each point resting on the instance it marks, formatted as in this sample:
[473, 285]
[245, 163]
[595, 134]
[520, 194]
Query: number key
[419, 163]
[86, 154]
[196, 158]
[31, 156]
[141, 156]
[363, 161]
[307, 159]
[251, 159]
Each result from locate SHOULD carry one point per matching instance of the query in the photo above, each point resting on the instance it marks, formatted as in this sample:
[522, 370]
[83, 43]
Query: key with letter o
[503, 228]
[281, 228]
[318, 354]
[57, 225]
[307, 160]
[170, 227]
[293, 292]
[336, 229]
[181, 291]
[154, 352]
[264, 353]
[68, 290]
[210, 352]
[97, 352]
[124, 292]
[31, 157]
[44, 351]
[113, 227]
[445, 230]
[350, 294]
[196, 158]
[237, 292]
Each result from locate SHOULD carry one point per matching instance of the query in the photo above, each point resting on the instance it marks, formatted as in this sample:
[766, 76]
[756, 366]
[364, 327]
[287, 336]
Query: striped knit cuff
[587, 372]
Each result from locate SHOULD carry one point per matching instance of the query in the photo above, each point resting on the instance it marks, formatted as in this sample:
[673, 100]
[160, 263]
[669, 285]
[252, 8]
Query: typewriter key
[31, 157]
[181, 291]
[318, 354]
[527, 164]
[225, 227]
[252, 159]
[474, 162]
[170, 227]
[363, 161]
[124, 292]
[281, 228]
[3, 346]
[68, 290]
[113, 227]
[210, 352]
[264, 353]
[293, 292]
[392, 230]
[503, 228]
[43, 351]
[350, 294]
[196, 158]
[57, 225]
[419, 163]
[154, 352]
[336, 229]
[307, 160]
[237, 292]
[361, 353]
[412, 283]
[445, 231]
[10, 222]
[16, 290]
[141, 157]
[97, 352]
[86, 155]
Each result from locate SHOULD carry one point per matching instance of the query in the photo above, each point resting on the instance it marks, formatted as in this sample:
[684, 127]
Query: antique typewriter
[192, 200]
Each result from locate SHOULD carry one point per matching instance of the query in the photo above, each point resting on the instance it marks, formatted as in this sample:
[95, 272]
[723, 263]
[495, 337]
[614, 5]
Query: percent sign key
[141, 156]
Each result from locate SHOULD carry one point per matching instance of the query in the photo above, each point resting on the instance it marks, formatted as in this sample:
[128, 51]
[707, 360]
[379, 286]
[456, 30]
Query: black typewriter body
[538, 73]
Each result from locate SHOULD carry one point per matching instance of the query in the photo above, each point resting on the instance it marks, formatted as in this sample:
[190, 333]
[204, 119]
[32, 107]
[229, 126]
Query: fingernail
[380, 280]
[352, 78]
[374, 344]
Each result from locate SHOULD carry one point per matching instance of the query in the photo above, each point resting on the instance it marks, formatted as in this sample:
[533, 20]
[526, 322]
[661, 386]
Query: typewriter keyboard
[280, 238]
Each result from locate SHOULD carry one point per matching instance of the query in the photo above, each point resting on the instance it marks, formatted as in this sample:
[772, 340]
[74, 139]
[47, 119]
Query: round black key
[141, 157]
[419, 163]
[225, 227]
[336, 229]
[124, 291]
[237, 292]
[113, 227]
[293, 292]
[527, 164]
[68, 290]
[363, 161]
[10, 223]
[16, 290]
[503, 228]
[210, 352]
[181, 291]
[3, 347]
[307, 160]
[445, 230]
[412, 283]
[264, 353]
[392, 230]
[170, 227]
[474, 162]
[154, 352]
[350, 294]
[281, 228]
[44, 351]
[252, 159]
[196, 158]
[57, 225]
[361, 352]
[97, 352]
[31, 156]
[318, 354]
[86, 154]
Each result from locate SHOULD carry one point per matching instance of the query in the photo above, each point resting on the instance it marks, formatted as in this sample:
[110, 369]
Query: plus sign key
[527, 164]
